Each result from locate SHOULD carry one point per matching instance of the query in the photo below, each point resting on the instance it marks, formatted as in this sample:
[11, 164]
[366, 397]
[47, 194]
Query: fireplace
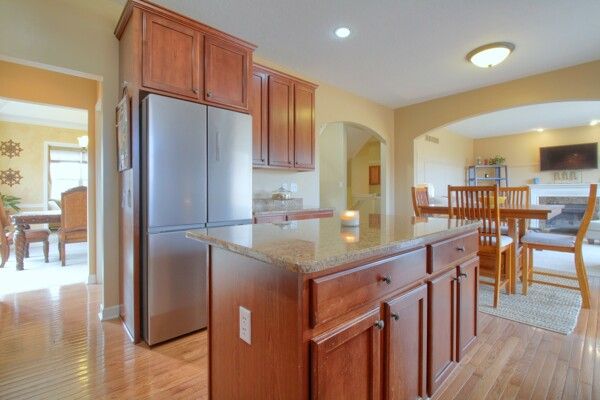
[569, 219]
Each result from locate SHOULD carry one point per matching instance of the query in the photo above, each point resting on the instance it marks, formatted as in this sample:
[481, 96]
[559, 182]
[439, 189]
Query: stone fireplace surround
[572, 196]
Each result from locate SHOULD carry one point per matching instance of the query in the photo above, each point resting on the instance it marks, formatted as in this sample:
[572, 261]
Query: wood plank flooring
[52, 346]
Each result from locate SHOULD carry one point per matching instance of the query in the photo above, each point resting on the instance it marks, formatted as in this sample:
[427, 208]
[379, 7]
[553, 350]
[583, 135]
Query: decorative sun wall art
[10, 148]
[10, 177]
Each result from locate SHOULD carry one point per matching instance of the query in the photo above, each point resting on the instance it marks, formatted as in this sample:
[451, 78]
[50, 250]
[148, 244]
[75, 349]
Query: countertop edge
[313, 267]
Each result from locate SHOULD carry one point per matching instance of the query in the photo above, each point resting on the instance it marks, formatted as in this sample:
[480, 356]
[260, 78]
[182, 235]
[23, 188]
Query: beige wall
[443, 163]
[77, 36]
[523, 155]
[580, 82]
[334, 105]
[30, 163]
[358, 171]
[332, 159]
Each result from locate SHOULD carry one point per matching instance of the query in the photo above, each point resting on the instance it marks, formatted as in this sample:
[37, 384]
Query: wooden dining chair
[481, 203]
[31, 236]
[420, 197]
[565, 244]
[73, 220]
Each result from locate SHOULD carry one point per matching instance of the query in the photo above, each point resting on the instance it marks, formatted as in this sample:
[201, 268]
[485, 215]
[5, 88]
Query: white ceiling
[406, 51]
[42, 114]
[528, 118]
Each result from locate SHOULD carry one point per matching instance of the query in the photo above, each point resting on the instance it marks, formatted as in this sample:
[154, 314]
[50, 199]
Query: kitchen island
[310, 309]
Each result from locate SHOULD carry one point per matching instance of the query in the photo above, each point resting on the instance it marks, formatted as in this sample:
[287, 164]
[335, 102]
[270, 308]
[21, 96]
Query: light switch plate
[245, 325]
[293, 187]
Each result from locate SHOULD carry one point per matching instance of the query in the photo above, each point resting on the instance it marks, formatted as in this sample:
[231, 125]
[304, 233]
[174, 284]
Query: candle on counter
[350, 218]
[350, 234]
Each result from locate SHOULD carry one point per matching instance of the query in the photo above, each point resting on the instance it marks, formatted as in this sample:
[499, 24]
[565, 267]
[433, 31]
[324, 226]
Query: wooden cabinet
[264, 219]
[467, 306]
[406, 345]
[287, 131]
[304, 126]
[374, 175]
[280, 120]
[300, 215]
[226, 67]
[259, 109]
[171, 57]
[346, 360]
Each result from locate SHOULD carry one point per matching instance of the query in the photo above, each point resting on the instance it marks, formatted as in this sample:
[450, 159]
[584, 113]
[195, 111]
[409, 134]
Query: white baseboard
[92, 280]
[107, 313]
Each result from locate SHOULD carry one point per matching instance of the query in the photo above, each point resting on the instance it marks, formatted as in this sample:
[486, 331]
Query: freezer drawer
[229, 167]
[176, 289]
[175, 138]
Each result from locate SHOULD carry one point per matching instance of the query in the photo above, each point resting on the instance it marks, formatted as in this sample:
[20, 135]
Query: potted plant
[497, 160]
[11, 202]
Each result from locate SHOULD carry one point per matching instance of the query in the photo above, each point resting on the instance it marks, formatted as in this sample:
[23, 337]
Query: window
[67, 169]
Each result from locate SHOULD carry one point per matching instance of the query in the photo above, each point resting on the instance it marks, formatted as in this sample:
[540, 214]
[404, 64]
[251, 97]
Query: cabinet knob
[395, 316]
[379, 324]
[387, 279]
[460, 248]
[208, 94]
[195, 90]
[463, 275]
[262, 160]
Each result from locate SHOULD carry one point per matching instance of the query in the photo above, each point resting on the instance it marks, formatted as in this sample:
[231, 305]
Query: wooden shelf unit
[500, 175]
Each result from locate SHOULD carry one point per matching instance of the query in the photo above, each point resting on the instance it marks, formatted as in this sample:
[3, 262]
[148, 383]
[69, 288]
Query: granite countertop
[291, 211]
[319, 244]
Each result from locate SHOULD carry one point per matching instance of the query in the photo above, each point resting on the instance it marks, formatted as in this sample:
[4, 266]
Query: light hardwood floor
[52, 346]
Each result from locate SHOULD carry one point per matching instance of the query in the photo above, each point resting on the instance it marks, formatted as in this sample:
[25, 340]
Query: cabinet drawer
[295, 216]
[450, 251]
[336, 294]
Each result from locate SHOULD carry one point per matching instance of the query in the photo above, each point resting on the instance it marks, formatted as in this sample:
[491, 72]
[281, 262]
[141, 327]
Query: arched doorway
[352, 159]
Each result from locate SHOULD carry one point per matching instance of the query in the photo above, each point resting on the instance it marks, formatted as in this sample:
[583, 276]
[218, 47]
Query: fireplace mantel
[558, 190]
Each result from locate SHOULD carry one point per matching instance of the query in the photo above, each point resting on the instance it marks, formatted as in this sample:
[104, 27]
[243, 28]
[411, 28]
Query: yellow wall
[332, 182]
[333, 105]
[30, 163]
[580, 82]
[523, 159]
[443, 163]
[368, 155]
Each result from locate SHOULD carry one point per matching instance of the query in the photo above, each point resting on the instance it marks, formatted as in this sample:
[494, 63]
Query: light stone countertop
[319, 244]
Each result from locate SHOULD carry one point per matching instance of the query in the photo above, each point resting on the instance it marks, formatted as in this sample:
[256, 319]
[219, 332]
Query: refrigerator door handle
[218, 147]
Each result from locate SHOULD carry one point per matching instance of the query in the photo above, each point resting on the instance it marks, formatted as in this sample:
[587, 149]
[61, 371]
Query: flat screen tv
[575, 156]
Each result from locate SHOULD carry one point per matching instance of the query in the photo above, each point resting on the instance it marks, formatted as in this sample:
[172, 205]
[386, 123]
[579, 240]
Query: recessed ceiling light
[491, 54]
[595, 122]
[342, 32]
[539, 130]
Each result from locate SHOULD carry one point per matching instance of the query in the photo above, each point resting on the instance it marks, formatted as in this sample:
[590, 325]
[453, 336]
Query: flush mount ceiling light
[594, 122]
[539, 130]
[342, 32]
[491, 54]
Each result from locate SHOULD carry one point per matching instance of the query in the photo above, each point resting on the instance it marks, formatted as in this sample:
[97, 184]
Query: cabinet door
[304, 126]
[226, 67]
[171, 57]
[281, 109]
[346, 360]
[406, 341]
[441, 324]
[466, 306]
[259, 109]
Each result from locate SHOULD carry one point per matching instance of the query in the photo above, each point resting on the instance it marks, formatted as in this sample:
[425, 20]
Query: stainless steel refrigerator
[197, 172]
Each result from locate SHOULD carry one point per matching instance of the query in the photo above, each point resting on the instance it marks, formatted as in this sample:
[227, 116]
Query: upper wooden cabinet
[287, 126]
[183, 58]
[226, 67]
[171, 57]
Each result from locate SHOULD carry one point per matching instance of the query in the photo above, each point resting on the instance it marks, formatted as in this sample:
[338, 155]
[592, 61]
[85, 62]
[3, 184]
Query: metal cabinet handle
[218, 146]
[395, 316]
[195, 90]
[208, 94]
[463, 275]
[460, 248]
[379, 324]
[387, 279]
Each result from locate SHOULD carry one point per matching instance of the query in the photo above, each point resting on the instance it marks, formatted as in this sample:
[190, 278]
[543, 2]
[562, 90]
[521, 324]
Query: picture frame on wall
[124, 132]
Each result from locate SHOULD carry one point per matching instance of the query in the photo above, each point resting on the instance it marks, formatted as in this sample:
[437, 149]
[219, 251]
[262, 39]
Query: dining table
[516, 217]
[21, 221]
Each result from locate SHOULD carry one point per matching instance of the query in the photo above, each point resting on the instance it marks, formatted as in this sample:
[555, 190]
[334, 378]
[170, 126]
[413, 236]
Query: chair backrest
[74, 209]
[516, 196]
[420, 197]
[587, 216]
[477, 203]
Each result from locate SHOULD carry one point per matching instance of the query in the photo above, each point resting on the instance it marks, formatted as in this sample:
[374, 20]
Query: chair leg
[509, 270]
[530, 267]
[5, 255]
[582, 278]
[46, 250]
[63, 256]
[27, 250]
[524, 270]
[497, 278]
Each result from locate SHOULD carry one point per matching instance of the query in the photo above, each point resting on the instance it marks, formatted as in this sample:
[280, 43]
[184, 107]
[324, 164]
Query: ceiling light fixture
[342, 32]
[490, 55]
[539, 130]
[594, 122]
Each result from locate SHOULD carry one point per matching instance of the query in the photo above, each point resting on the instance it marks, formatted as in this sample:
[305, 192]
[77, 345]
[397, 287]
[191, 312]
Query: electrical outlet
[245, 325]
[293, 187]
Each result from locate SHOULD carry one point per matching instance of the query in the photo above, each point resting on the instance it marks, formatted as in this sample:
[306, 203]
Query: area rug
[547, 307]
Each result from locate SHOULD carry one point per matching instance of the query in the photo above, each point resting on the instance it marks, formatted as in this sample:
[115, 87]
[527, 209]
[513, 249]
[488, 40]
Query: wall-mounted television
[575, 156]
